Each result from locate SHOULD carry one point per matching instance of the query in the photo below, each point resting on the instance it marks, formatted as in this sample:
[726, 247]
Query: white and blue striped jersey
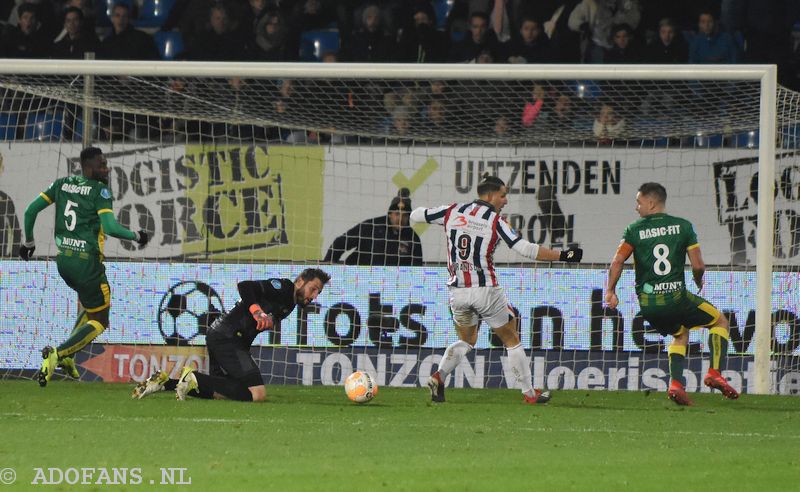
[473, 231]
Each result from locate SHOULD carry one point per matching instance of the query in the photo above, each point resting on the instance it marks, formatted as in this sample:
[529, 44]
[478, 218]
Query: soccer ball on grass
[360, 387]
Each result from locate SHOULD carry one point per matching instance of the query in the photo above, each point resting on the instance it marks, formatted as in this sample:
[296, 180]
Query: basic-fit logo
[736, 189]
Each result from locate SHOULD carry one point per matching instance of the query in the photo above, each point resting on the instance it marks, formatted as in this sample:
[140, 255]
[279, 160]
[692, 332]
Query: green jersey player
[660, 243]
[84, 216]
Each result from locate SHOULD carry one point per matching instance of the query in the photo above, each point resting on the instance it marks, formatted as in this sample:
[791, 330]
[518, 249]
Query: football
[360, 387]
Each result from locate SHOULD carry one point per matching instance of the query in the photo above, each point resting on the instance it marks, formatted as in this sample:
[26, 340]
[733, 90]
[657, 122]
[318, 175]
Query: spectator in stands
[190, 17]
[480, 39]
[624, 48]
[49, 25]
[501, 127]
[594, 19]
[272, 38]
[668, 47]
[252, 17]
[434, 115]
[558, 116]
[710, 45]
[608, 125]
[221, 42]
[422, 43]
[400, 121]
[564, 43]
[500, 19]
[88, 23]
[387, 240]
[329, 57]
[26, 39]
[369, 43]
[485, 56]
[77, 40]
[125, 42]
[533, 108]
[549, 111]
[531, 46]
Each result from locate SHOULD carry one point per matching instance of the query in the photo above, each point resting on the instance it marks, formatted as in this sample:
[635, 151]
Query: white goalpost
[248, 171]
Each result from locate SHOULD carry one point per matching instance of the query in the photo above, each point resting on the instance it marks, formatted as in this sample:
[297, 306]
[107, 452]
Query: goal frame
[766, 75]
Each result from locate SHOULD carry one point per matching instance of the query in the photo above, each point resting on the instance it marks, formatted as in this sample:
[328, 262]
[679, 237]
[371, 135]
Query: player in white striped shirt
[473, 231]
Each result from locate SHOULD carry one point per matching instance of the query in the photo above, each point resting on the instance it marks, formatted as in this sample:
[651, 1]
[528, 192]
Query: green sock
[81, 320]
[718, 346]
[79, 338]
[677, 361]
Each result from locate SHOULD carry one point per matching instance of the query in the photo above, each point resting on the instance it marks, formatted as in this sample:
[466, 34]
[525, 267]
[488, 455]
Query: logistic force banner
[221, 202]
[262, 202]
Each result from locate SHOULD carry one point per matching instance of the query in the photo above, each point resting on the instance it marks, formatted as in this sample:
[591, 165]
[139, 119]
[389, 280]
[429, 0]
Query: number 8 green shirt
[79, 203]
[660, 242]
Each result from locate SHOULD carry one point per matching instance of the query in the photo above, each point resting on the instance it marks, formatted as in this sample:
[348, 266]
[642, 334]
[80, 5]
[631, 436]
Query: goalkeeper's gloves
[26, 250]
[142, 238]
[263, 320]
[571, 255]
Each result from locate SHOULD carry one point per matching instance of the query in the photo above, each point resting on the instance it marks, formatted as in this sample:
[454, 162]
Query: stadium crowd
[416, 31]
[426, 31]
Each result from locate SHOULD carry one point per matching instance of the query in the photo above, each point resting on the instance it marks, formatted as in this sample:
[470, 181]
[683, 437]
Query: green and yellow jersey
[660, 242]
[79, 203]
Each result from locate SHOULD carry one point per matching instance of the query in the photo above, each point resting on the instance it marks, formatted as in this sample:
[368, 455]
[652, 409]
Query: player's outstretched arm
[534, 251]
[571, 255]
[615, 272]
[37, 205]
[698, 266]
[114, 229]
[434, 215]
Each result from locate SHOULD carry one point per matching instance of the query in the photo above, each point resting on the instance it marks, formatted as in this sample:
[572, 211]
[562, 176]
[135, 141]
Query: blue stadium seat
[659, 142]
[457, 36]
[313, 44]
[103, 9]
[587, 89]
[747, 140]
[153, 13]
[169, 44]
[44, 125]
[790, 137]
[442, 8]
[77, 128]
[708, 141]
[8, 126]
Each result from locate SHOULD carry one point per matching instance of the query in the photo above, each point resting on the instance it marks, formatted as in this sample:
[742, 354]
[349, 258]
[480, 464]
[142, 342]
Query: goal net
[253, 171]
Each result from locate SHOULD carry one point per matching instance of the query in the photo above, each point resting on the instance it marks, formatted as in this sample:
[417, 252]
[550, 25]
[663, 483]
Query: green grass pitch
[313, 438]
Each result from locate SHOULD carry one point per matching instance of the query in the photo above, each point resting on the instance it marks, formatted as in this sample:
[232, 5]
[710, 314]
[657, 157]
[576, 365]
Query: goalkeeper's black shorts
[227, 358]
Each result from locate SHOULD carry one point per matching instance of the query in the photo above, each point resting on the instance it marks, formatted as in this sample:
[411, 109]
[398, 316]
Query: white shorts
[470, 305]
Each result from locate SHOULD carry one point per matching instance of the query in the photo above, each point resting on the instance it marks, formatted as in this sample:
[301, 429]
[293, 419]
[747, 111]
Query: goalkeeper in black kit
[234, 373]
